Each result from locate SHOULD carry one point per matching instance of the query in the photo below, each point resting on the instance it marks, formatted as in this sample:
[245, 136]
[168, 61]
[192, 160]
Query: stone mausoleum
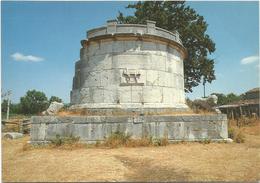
[135, 69]
[130, 66]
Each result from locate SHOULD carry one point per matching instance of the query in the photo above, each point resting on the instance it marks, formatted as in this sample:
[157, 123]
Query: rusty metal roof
[241, 103]
[253, 90]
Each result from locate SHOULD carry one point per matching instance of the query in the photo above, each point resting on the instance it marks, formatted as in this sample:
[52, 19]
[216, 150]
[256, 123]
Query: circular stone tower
[130, 66]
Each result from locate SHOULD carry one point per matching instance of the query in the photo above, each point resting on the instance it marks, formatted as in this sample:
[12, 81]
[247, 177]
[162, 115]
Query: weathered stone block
[95, 128]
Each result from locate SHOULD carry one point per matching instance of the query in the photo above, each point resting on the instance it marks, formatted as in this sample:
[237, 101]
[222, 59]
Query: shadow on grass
[144, 170]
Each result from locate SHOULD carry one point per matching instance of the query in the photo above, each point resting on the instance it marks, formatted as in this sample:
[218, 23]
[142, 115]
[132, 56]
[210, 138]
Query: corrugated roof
[241, 103]
[254, 90]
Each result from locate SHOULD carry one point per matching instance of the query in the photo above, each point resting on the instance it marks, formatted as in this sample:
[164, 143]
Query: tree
[33, 102]
[15, 108]
[175, 15]
[231, 97]
[54, 98]
[4, 106]
[222, 99]
[227, 99]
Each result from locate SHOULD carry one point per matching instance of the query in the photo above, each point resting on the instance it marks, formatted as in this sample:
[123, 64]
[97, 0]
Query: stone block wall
[97, 128]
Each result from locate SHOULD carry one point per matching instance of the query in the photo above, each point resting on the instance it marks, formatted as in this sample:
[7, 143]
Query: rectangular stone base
[97, 128]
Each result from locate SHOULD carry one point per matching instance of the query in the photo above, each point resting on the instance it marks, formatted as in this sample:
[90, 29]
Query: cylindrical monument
[130, 66]
[128, 79]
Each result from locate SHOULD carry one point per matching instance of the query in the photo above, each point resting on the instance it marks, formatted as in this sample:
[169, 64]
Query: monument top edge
[113, 27]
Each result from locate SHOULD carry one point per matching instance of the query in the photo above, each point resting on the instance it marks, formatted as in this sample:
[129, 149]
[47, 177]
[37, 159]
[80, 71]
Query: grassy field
[175, 162]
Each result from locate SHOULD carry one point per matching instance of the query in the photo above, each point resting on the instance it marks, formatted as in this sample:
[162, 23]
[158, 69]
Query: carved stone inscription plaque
[130, 78]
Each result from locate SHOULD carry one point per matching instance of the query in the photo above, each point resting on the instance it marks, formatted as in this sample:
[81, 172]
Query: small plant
[236, 134]
[231, 132]
[58, 140]
[117, 139]
[160, 141]
[240, 138]
[205, 141]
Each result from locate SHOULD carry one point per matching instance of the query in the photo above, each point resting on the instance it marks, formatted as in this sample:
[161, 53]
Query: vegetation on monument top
[177, 16]
[55, 99]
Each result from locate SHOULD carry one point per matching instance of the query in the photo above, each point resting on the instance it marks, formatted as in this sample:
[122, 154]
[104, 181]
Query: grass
[58, 140]
[236, 130]
[115, 140]
[236, 134]
[119, 112]
[183, 161]
[16, 116]
[174, 162]
[119, 139]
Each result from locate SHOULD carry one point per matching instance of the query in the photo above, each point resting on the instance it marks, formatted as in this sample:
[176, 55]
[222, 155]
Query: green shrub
[118, 139]
[58, 140]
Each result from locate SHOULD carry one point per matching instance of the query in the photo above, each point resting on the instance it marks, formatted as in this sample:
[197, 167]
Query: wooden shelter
[249, 106]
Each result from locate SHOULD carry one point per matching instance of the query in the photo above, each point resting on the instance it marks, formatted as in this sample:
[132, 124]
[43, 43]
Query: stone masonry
[97, 128]
[130, 66]
[130, 79]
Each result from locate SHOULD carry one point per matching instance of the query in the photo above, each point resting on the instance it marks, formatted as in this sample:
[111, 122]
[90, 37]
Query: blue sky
[41, 42]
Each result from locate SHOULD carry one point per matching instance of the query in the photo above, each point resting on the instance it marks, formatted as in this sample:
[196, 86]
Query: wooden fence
[22, 125]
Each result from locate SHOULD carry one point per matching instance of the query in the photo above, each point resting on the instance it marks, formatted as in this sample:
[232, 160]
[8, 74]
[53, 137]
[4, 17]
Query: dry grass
[85, 112]
[119, 139]
[175, 162]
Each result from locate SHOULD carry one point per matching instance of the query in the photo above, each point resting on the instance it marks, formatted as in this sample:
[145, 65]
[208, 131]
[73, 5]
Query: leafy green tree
[231, 97]
[54, 98]
[227, 99]
[222, 99]
[15, 108]
[177, 16]
[4, 106]
[33, 102]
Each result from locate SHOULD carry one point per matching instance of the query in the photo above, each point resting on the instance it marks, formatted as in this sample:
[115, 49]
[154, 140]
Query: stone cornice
[148, 32]
[136, 37]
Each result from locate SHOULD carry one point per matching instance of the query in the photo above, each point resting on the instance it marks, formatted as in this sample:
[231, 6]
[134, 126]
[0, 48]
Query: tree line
[229, 98]
[34, 102]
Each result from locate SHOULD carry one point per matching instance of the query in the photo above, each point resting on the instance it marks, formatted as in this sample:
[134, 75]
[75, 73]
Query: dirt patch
[144, 170]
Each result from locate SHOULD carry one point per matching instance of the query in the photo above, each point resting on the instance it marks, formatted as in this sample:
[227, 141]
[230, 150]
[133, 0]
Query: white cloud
[26, 58]
[249, 60]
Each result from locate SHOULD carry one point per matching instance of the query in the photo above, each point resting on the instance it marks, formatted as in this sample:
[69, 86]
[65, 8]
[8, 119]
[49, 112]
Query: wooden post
[204, 93]
[241, 111]
[21, 126]
[232, 113]
[8, 107]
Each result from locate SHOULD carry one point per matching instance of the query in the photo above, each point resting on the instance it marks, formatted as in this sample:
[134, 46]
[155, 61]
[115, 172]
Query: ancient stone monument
[130, 66]
[130, 78]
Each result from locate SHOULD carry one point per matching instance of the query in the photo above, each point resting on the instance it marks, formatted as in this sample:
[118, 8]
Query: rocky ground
[175, 162]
